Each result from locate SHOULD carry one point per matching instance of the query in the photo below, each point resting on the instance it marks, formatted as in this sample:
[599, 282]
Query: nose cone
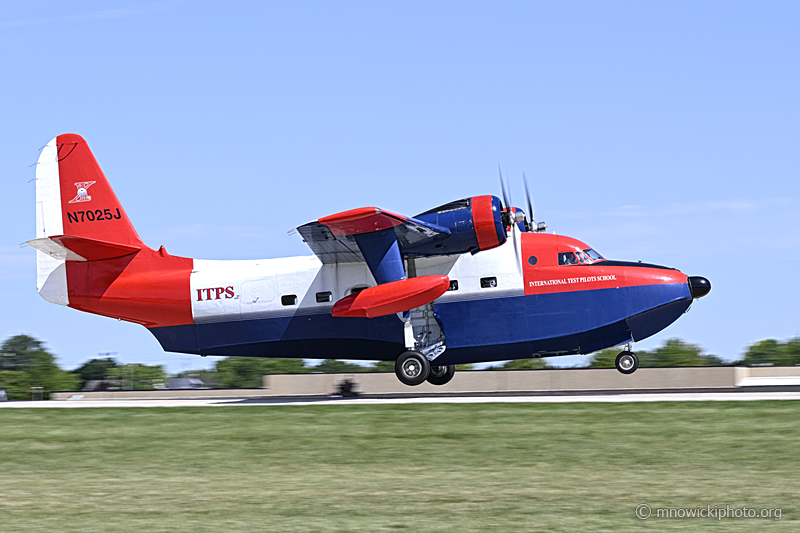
[699, 286]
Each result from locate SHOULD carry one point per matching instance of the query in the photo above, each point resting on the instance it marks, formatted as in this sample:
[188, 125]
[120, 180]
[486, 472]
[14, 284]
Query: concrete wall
[484, 381]
[195, 394]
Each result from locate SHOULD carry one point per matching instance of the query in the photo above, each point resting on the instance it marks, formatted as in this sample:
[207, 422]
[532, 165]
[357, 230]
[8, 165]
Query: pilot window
[488, 283]
[289, 299]
[323, 297]
[567, 258]
[594, 256]
[453, 285]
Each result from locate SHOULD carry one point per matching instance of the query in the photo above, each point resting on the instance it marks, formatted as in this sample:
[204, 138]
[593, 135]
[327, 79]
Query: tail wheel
[440, 375]
[627, 362]
[412, 368]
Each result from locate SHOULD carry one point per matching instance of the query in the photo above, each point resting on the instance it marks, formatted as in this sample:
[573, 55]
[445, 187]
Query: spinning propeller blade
[511, 218]
[528, 225]
[531, 225]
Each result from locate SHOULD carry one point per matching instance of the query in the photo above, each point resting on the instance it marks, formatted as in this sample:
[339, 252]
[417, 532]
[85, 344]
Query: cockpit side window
[567, 258]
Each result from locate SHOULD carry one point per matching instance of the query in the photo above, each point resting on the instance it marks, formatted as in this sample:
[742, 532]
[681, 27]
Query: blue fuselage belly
[490, 329]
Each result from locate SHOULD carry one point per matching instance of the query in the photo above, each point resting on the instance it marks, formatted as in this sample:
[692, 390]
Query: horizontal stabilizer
[71, 248]
[390, 298]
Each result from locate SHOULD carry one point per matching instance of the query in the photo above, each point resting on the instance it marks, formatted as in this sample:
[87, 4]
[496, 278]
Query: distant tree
[334, 366]
[25, 363]
[676, 352]
[136, 376]
[95, 369]
[383, 366]
[673, 353]
[16, 383]
[773, 352]
[247, 372]
[524, 364]
[606, 358]
[792, 351]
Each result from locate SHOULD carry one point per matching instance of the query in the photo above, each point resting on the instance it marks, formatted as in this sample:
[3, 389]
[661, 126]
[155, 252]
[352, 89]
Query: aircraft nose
[699, 286]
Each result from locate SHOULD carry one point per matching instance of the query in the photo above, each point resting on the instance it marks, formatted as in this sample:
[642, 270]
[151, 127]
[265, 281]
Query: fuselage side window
[488, 283]
[323, 297]
[289, 299]
[453, 285]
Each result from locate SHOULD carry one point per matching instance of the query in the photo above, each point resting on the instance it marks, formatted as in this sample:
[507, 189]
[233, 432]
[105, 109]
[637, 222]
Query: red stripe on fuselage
[546, 276]
[483, 220]
[149, 288]
[549, 280]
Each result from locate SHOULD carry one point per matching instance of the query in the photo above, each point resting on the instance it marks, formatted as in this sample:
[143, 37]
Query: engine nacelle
[475, 223]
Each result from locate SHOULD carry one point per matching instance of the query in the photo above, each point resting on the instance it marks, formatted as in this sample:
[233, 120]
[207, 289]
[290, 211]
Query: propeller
[510, 219]
[532, 225]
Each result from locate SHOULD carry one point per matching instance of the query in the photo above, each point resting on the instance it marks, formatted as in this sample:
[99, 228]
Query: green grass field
[449, 467]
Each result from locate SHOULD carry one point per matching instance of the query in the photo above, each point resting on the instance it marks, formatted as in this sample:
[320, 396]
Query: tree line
[25, 364]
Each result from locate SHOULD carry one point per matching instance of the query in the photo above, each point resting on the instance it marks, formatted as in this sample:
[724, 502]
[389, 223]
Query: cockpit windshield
[594, 256]
[578, 257]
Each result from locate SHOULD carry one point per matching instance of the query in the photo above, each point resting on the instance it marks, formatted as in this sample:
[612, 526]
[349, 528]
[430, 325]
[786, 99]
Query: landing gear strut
[627, 362]
[412, 368]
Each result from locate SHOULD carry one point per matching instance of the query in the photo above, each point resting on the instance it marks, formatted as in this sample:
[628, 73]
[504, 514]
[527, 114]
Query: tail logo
[82, 195]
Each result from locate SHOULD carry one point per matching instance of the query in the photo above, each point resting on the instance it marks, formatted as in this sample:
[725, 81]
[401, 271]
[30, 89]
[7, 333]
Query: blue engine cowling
[475, 223]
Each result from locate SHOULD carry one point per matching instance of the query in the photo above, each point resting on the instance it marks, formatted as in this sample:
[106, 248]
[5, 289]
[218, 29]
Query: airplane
[469, 281]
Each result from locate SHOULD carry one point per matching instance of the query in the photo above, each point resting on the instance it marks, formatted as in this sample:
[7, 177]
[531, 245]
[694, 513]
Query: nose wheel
[627, 362]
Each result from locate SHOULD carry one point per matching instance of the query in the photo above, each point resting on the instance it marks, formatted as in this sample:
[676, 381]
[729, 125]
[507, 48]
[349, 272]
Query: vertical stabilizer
[89, 257]
[75, 205]
[90, 209]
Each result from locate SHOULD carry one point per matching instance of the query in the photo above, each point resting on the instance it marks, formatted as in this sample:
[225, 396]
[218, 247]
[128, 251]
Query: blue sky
[667, 132]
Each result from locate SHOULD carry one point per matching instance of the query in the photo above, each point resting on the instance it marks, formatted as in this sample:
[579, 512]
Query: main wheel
[627, 362]
[441, 374]
[412, 368]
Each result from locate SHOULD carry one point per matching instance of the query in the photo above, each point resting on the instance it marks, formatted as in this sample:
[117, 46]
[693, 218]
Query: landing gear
[627, 362]
[412, 368]
[441, 374]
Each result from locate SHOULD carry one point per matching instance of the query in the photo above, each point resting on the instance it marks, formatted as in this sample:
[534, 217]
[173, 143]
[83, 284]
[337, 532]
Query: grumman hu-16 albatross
[465, 282]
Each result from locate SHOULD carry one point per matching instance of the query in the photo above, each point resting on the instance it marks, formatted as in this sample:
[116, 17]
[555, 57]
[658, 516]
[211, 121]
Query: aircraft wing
[377, 238]
[333, 238]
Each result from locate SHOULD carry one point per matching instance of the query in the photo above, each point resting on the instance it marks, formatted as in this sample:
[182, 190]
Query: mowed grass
[446, 467]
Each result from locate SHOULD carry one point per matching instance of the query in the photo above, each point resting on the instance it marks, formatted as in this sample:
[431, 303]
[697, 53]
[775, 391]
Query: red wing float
[445, 287]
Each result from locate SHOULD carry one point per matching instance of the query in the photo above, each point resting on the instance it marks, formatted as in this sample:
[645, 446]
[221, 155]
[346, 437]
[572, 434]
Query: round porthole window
[532, 260]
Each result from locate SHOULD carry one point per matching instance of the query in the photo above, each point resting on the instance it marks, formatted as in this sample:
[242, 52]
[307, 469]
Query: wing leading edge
[333, 239]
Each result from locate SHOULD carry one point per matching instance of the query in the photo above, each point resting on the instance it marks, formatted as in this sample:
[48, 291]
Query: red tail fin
[89, 207]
